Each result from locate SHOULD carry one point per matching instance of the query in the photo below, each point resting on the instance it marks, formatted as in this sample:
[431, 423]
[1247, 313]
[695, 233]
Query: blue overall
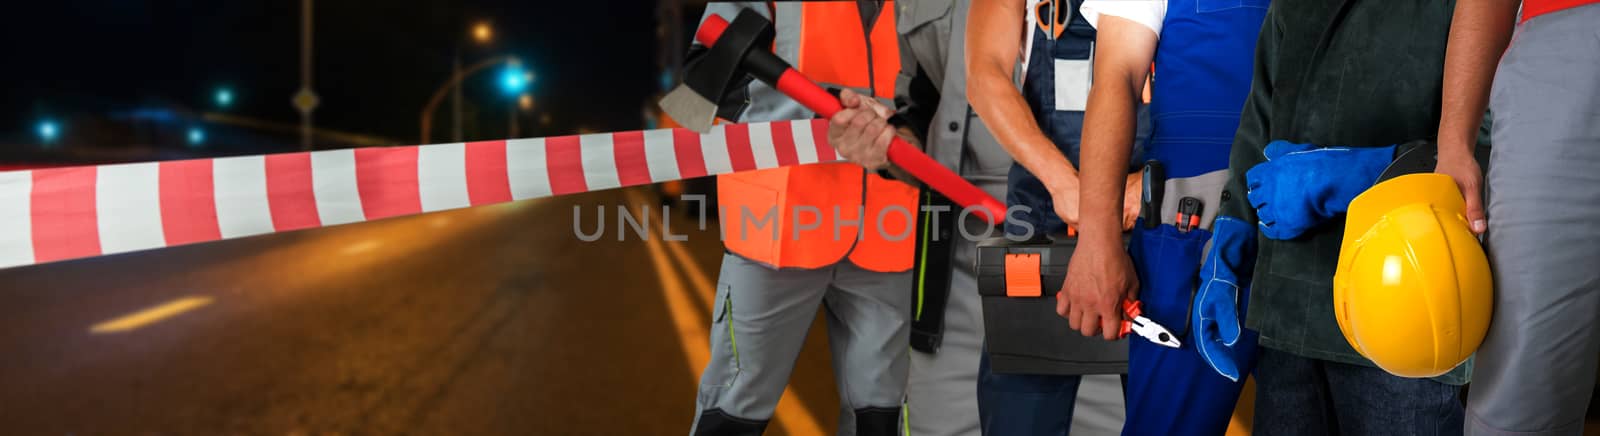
[1034, 404]
[1202, 77]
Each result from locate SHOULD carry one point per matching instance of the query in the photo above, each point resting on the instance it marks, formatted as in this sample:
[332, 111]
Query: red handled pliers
[1137, 323]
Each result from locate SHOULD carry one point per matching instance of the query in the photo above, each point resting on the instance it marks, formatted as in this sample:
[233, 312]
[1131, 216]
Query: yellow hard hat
[1413, 291]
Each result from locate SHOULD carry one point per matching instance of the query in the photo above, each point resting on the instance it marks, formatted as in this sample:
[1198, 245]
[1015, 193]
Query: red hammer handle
[795, 85]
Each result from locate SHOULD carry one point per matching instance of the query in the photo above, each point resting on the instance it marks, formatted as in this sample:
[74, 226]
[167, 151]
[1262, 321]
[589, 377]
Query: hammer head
[713, 73]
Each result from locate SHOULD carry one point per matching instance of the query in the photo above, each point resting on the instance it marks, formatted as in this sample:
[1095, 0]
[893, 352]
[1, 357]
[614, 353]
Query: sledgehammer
[737, 48]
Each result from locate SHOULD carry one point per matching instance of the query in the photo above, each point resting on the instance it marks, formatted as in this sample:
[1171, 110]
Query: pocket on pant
[724, 364]
[1168, 264]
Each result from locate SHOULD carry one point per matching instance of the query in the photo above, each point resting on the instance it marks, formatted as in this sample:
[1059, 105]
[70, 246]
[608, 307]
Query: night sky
[376, 62]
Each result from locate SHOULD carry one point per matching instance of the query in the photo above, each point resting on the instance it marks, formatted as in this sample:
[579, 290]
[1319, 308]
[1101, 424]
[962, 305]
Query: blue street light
[514, 79]
[223, 97]
[196, 136]
[49, 130]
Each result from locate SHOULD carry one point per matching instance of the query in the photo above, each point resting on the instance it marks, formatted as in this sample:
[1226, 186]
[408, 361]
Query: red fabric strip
[63, 214]
[564, 157]
[289, 194]
[386, 178]
[691, 161]
[738, 140]
[632, 168]
[188, 202]
[783, 143]
[487, 182]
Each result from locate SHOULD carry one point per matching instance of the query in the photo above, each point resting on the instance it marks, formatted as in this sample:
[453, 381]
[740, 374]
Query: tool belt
[1017, 282]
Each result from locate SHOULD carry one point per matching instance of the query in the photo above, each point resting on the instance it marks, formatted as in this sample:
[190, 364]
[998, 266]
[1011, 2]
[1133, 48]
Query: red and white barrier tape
[56, 214]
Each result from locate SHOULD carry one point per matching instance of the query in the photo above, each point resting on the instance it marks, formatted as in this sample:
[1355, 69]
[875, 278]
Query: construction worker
[839, 239]
[1336, 85]
[1040, 125]
[1536, 367]
[1202, 51]
[947, 330]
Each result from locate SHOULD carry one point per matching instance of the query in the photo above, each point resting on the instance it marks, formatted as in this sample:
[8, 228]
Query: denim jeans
[1027, 404]
[1302, 396]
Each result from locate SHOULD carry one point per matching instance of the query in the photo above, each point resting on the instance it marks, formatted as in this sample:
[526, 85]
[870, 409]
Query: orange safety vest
[812, 216]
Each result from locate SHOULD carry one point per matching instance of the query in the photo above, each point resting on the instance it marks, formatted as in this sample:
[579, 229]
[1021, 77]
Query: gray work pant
[1536, 368]
[761, 318]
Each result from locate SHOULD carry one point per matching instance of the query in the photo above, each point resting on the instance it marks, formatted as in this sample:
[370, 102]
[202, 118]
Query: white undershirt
[1149, 13]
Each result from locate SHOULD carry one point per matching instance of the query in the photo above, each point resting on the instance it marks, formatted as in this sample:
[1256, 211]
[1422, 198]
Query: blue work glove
[1227, 269]
[1302, 185]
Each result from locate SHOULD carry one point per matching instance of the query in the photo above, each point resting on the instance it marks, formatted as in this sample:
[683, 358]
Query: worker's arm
[1479, 33]
[995, 30]
[1101, 274]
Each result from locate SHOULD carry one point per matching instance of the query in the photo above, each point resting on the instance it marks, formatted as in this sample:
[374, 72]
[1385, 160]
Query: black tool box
[1022, 332]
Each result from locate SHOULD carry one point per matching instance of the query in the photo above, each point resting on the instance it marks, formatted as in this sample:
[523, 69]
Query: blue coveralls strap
[1203, 66]
[1056, 85]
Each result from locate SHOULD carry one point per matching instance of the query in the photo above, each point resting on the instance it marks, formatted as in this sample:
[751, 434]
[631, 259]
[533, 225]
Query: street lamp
[525, 102]
[48, 131]
[482, 33]
[197, 137]
[454, 84]
[514, 79]
[223, 97]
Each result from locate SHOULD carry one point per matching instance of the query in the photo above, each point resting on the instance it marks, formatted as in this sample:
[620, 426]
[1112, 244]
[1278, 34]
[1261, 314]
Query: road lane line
[151, 315]
[694, 330]
[704, 290]
[361, 247]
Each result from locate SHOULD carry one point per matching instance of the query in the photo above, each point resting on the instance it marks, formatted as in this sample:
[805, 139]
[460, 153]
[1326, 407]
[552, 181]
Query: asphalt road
[493, 320]
[485, 321]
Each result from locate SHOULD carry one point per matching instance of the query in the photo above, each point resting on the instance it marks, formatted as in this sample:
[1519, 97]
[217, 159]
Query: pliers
[1137, 323]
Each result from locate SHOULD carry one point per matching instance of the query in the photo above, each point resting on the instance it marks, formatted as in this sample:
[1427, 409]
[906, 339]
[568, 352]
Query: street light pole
[305, 73]
[455, 102]
[455, 80]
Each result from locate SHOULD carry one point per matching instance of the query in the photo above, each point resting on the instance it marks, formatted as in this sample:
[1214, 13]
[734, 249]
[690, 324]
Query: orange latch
[1022, 275]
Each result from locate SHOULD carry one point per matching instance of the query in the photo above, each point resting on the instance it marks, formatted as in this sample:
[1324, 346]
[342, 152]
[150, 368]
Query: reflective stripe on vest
[813, 216]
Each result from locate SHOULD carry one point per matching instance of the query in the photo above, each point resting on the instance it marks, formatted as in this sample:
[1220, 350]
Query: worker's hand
[861, 131]
[1469, 177]
[1100, 275]
[1065, 201]
[1132, 197]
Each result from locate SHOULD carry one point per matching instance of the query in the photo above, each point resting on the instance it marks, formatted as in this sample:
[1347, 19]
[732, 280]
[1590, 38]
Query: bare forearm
[1122, 65]
[1006, 113]
[994, 37]
[1479, 33]
[1108, 127]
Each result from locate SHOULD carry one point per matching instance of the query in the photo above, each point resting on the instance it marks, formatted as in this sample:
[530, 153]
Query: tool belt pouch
[930, 286]
[1017, 282]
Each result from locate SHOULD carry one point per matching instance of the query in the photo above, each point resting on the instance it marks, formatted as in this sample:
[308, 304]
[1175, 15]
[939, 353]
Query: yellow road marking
[705, 290]
[694, 330]
[150, 316]
[361, 247]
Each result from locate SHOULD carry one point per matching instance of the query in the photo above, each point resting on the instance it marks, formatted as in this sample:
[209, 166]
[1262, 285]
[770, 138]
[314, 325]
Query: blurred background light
[49, 130]
[482, 32]
[223, 97]
[197, 136]
[514, 79]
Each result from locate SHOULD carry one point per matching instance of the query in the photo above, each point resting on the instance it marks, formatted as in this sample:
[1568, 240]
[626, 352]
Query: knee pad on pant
[877, 421]
[716, 423]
